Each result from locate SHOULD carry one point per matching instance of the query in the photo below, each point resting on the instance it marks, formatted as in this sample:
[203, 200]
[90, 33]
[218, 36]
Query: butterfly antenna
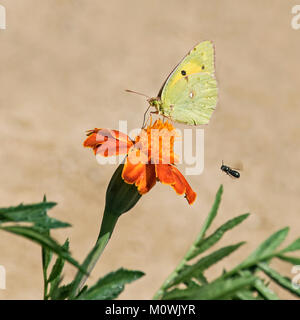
[141, 94]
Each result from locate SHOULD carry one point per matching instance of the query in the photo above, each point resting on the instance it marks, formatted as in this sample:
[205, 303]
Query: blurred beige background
[64, 67]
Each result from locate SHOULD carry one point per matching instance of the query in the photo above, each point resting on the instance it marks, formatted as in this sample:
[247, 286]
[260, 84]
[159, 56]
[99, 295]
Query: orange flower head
[155, 144]
[150, 157]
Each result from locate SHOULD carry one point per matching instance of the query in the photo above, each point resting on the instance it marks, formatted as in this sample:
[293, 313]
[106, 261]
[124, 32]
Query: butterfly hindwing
[196, 101]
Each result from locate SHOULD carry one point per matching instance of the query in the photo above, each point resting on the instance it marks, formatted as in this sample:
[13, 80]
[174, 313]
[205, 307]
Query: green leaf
[201, 278]
[46, 258]
[54, 287]
[212, 214]
[61, 293]
[223, 289]
[294, 246]
[47, 223]
[44, 240]
[265, 291]
[20, 212]
[191, 284]
[111, 285]
[204, 263]
[261, 288]
[292, 260]
[216, 236]
[269, 245]
[264, 251]
[279, 279]
[33, 213]
[59, 264]
[84, 289]
[245, 295]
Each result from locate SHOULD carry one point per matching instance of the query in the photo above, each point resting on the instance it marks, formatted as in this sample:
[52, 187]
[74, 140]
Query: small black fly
[230, 171]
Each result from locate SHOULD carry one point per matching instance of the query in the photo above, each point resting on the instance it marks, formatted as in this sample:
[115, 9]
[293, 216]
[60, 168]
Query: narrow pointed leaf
[61, 293]
[33, 213]
[279, 279]
[292, 260]
[212, 214]
[294, 246]
[204, 263]
[44, 240]
[223, 289]
[191, 284]
[245, 295]
[46, 257]
[266, 249]
[201, 278]
[208, 242]
[111, 285]
[20, 212]
[59, 264]
[54, 287]
[265, 291]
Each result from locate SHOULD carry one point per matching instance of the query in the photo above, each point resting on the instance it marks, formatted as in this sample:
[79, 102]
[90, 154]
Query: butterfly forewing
[199, 59]
[189, 94]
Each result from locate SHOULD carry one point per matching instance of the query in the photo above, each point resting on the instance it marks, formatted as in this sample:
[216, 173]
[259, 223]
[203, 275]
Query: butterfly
[189, 95]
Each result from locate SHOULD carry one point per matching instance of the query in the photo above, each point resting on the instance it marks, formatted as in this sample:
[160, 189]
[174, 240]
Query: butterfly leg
[144, 121]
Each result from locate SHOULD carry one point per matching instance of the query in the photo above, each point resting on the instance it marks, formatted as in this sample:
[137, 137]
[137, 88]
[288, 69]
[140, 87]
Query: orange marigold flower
[150, 157]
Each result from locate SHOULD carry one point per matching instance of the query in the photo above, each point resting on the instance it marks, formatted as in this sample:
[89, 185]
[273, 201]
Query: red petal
[143, 175]
[170, 175]
[164, 174]
[108, 142]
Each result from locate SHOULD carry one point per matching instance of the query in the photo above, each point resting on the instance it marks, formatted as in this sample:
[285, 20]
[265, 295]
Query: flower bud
[120, 198]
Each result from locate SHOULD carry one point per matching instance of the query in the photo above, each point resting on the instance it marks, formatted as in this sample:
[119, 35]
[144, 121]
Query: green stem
[120, 198]
[107, 226]
[108, 223]
[45, 285]
[46, 257]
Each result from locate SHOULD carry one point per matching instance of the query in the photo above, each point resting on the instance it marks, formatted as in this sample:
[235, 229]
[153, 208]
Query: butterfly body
[189, 95]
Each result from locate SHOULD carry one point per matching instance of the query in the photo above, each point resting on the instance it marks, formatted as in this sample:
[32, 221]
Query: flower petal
[164, 174]
[170, 175]
[143, 175]
[108, 142]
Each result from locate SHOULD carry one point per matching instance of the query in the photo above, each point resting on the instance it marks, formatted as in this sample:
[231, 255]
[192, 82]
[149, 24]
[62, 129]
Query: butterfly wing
[192, 100]
[183, 99]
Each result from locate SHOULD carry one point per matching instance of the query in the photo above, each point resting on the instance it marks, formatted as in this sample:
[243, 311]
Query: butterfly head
[155, 102]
